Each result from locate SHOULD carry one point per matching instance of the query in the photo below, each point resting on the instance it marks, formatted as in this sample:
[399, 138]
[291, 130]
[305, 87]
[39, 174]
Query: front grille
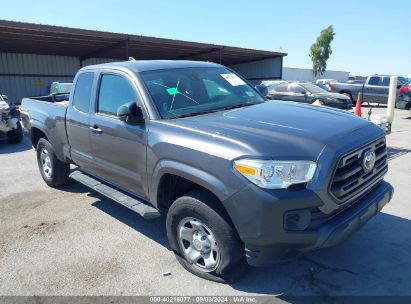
[350, 180]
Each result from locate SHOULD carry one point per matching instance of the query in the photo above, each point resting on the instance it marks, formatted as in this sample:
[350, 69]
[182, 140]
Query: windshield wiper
[240, 105]
[195, 113]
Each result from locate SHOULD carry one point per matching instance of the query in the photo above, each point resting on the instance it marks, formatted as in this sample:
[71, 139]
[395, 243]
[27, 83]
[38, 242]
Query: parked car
[240, 179]
[10, 121]
[404, 98]
[374, 89]
[307, 92]
[60, 87]
[272, 84]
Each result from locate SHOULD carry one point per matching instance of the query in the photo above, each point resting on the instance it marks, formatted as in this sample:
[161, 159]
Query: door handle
[96, 130]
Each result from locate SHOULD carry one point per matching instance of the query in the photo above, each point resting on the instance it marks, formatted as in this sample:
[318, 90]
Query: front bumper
[258, 215]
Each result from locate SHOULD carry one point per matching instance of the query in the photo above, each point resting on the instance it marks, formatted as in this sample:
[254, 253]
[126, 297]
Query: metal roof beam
[120, 44]
[204, 52]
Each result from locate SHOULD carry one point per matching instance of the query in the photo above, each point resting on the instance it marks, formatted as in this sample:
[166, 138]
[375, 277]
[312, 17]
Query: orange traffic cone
[357, 110]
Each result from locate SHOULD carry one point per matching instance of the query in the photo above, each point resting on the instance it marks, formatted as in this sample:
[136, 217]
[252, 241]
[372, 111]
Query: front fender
[196, 175]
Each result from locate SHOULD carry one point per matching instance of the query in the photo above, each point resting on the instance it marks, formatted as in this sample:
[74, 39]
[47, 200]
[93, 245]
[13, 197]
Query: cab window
[386, 81]
[114, 91]
[295, 88]
[82, 92]
[282, 87]
[374, 81]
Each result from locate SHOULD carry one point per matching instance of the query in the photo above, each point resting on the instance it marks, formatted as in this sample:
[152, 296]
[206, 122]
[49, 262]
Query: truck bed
[56, 97]
[48, 115]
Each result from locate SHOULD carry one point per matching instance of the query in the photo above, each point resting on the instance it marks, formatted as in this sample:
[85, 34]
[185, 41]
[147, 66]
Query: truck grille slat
[350, 179]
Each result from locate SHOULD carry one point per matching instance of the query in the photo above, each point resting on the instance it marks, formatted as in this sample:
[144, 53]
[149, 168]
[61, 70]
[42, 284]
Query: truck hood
[284, 130]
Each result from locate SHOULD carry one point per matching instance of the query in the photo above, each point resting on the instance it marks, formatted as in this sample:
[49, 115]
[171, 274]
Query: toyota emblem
[368, 161]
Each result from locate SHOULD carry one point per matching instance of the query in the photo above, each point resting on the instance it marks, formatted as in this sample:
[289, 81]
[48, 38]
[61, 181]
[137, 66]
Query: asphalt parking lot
[75, 242]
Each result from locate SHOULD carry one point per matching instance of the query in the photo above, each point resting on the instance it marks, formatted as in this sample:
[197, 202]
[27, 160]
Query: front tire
[54, 172]
[15, 136]
[203, 239]
[350, 97]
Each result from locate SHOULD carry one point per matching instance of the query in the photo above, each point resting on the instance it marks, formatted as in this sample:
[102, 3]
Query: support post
[392, 96]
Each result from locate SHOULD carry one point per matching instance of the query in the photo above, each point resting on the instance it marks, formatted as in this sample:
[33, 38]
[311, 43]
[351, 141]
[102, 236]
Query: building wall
[307, 75]
[24, 75]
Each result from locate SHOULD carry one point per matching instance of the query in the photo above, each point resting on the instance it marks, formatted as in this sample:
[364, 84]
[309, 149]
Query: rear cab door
[118, 148]
[77, 119]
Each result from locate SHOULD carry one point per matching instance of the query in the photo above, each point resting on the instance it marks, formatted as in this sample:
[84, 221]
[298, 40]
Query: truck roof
[149, 65]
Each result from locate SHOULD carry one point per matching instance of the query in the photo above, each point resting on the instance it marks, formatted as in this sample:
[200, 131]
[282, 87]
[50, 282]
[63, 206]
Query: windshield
[403, 80]
[194, 91]
[312, 88]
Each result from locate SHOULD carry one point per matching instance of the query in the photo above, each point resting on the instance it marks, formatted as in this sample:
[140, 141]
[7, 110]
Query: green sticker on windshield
[172, 91]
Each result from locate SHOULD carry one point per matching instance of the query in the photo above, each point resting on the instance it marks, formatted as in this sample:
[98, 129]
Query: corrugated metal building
[32, 56]
[24, 75]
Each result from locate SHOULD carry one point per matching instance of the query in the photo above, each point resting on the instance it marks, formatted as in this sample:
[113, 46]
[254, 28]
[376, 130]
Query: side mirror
[262, 89]
[399, 86]
[5, 98]
[130, 113]
[304, 92]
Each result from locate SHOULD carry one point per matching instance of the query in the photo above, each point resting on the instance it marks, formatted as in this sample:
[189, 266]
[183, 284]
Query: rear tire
[54, 172]
[15, 136]
[219, 254]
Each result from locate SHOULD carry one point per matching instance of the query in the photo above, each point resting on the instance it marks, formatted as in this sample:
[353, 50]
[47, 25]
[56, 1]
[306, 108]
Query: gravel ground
[75, 242]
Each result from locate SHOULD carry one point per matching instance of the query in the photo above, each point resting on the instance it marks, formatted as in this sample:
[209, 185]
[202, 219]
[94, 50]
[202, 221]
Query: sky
[371, 36]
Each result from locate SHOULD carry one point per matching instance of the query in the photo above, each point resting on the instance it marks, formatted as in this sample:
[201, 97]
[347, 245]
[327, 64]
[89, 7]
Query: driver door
[118, 148]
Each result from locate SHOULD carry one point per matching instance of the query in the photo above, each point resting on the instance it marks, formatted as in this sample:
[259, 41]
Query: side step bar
[118, 196]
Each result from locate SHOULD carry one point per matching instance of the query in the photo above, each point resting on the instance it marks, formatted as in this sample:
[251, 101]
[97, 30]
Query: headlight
[276, 174]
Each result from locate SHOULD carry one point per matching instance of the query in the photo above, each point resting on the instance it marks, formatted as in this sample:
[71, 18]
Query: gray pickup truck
[241, 180]
[374, 89]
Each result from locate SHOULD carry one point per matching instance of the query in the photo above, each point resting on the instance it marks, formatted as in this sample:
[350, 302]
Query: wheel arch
[35, 135]
[173, 179]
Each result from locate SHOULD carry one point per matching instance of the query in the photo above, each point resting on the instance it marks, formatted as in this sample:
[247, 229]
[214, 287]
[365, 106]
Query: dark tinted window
[386, 81]
[374, 81]
[114, 92]
[295, 88]
[312, 88]
[282, 87]
[82, 93]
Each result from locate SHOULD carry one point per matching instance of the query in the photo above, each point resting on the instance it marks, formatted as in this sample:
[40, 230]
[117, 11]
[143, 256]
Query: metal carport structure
[26, 50]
